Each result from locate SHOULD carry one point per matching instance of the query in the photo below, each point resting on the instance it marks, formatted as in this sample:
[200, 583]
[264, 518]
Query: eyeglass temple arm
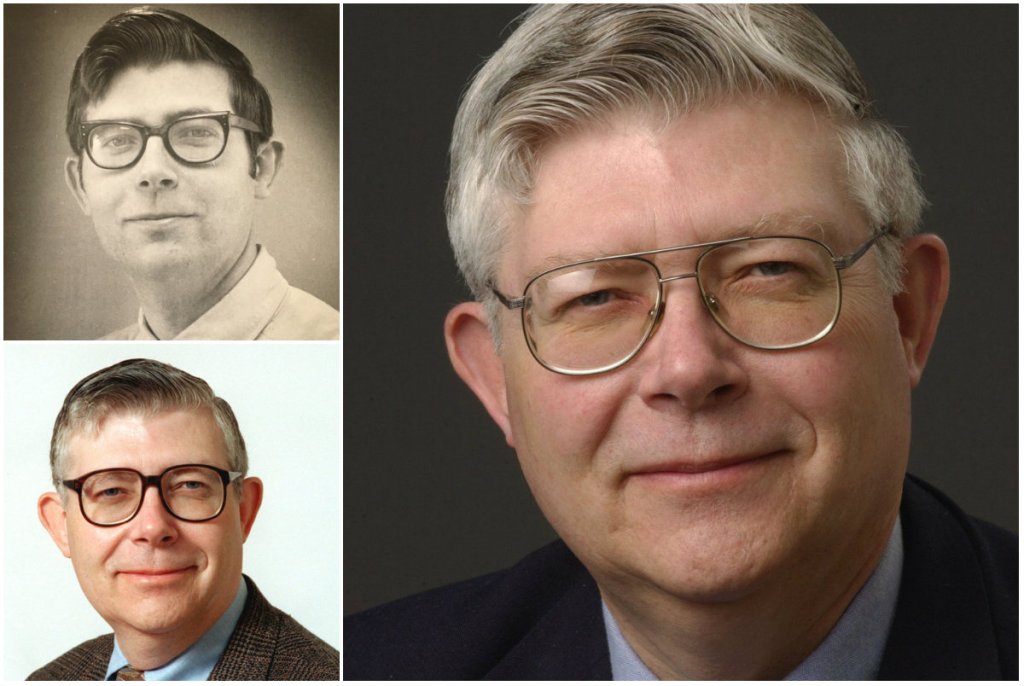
[847, 260]
[510, 303]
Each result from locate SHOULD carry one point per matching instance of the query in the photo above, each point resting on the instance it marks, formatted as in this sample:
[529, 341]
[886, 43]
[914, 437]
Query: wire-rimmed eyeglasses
[768, 292]
[190, 492]
[193, 139]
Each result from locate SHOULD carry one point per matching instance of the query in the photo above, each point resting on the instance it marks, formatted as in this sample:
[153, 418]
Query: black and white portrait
[171, 174]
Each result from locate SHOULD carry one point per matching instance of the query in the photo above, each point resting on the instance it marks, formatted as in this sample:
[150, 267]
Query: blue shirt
[851, 651]
[196, 663]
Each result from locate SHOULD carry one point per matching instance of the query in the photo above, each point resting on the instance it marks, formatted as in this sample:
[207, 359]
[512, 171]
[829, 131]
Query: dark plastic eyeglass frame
[76, 485]
[227, 120]
[839, 263]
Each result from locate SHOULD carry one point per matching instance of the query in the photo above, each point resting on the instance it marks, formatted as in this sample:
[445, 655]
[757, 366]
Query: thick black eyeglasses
[770, 292]
[190, 492]
[194, 139]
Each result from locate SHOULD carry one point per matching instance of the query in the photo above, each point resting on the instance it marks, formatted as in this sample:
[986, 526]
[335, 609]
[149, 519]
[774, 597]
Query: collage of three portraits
[222, 221]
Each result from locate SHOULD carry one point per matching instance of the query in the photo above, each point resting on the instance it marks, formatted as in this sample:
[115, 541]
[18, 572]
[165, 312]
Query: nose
[154, 524]
[690, 361]
[156, 169]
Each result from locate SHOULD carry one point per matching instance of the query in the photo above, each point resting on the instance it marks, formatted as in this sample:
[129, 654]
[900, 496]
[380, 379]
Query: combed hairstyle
[566, 66]
[149, 36]
[143, 387]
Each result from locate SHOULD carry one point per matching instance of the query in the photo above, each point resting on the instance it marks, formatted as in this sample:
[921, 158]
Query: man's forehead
[126, 421]
[154, 93]
[126, 427]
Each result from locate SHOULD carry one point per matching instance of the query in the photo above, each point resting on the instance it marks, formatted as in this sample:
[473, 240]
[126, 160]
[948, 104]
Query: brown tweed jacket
[266, 645]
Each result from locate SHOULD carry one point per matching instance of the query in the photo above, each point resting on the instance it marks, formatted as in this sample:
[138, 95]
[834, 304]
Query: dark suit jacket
[956, 617]
[266, 645]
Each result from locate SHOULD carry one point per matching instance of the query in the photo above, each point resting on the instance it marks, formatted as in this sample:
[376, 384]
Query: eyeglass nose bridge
[708, 300]
[161, 133]
[148, 481]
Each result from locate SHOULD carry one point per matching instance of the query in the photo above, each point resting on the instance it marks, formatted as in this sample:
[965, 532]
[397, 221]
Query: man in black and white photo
[172, 155]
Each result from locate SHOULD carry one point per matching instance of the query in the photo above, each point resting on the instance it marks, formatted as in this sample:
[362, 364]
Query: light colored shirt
[261, 306]
[851, 651]
[196, 663]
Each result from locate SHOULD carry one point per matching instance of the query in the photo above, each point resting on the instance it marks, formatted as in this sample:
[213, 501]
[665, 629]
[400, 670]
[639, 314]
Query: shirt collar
[196, 663]
[241, 314]
[851, 651]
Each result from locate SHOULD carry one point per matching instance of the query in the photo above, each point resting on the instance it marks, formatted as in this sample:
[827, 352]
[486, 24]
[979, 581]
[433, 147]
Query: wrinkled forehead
[635, 183]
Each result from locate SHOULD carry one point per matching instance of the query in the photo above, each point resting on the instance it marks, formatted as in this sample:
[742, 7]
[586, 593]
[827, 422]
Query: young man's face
[160, 218]
[155, 573]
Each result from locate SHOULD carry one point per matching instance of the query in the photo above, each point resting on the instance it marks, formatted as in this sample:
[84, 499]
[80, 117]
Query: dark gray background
[432, 493]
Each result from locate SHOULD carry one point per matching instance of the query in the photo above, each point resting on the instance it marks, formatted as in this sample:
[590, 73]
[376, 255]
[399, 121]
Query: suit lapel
[567, 642]
[942, 628]
[250, 650]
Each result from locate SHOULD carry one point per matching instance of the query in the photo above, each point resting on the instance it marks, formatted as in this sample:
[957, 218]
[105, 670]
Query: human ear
[919, 306]
[73, 179]
[55, 520]
[269, 160]
[472, 352]
[252, 498]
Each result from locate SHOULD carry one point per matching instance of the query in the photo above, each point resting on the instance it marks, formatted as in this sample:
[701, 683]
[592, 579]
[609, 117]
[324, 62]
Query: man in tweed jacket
[267, 645]
[163, 565]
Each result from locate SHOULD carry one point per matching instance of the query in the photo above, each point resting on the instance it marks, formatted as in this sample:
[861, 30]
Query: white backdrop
[286, 397]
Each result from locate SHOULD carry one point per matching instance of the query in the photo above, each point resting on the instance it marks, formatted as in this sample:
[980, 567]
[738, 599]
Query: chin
[157, 620]
[706, 564]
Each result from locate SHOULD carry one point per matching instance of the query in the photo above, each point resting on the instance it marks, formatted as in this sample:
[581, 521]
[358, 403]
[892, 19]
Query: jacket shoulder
[268, 644]
[85, 662]
[302, 656]
[956, 617]
[538, 619]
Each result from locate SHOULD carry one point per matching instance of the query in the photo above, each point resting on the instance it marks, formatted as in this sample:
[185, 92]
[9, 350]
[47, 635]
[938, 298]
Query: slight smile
[719, 473]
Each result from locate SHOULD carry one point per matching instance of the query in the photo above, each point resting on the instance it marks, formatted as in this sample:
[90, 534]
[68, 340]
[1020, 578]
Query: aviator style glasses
[194, 139]
[770, 292]
[190, 492]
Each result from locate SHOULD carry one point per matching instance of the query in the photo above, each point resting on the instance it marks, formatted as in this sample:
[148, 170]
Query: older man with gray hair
[702, 304]
[163, 565]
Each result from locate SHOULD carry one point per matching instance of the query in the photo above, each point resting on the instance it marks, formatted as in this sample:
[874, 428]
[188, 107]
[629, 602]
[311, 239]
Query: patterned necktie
[129, 673]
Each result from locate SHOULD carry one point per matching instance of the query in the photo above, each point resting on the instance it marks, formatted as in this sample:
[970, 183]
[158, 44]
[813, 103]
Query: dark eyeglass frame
[839, 263]
[227, 120]
[76, 485]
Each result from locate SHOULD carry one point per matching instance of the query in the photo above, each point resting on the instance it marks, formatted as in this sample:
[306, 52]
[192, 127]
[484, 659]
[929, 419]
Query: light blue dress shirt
[852, 650]
[196, 663]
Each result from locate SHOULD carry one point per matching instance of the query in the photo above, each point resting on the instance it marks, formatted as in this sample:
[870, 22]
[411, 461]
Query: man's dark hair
[152, 36]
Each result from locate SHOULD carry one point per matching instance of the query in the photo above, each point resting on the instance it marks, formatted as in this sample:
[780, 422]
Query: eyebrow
[777, 223]
[173, 116]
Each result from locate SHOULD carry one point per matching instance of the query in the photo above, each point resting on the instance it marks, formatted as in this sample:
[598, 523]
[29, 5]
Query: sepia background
[58, 283]
[432, 493]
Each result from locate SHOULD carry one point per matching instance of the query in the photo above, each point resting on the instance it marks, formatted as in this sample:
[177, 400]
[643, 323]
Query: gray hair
[569, 65]
[145, 387]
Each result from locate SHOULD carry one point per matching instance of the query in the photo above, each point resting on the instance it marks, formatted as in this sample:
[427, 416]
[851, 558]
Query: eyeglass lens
[192, 493]
[766, 292]
[195, 140]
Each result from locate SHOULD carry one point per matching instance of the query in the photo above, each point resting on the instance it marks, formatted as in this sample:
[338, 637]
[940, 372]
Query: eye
[769, 269]
[118, 141]
[594, 299]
